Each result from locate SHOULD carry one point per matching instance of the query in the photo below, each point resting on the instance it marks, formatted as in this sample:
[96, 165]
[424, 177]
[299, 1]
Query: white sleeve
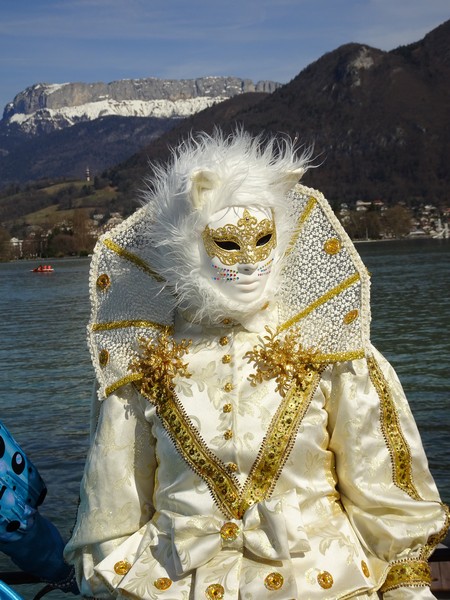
[383, 477]
[117, 487]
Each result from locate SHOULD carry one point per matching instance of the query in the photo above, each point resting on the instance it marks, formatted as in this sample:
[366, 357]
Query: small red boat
[43, 269]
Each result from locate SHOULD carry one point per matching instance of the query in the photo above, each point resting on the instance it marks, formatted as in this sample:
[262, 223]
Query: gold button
[232, 467]
[350, 316]
[103, 357]
[226, 321]
[365, 568]
[228, 434]
[103, 281]
[274, 581]
[332, 246]
[325, 580]
[229, 531]
[224, 340]
[228, 387]
[227, 408]
[163, 583]
[122, 567]
[215, 591]
[226, 358]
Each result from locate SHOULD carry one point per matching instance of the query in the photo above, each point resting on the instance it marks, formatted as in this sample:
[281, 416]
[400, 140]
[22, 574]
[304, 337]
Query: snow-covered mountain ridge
[43, 108]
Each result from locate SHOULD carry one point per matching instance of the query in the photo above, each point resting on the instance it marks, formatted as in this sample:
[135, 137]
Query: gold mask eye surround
[248, 242]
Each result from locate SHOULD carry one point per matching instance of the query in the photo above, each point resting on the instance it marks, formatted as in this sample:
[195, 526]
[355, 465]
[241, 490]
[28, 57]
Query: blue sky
[56, 41]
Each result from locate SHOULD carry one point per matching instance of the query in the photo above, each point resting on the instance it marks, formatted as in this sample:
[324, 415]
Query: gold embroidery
[133, 258]
[278, 443]
[224, 341]
[122, 567]
[232, 467]
[274, 581]
[332, 246]
[302, 220]
[227, 408]
[322, 300]
[228, 434]
[325, 580]
[162, 583]
[407, 573]
[249, 241]
[282, 359]
[130, 323]
[228, 387]
[103, 281]
[226, 359]
[390, 426]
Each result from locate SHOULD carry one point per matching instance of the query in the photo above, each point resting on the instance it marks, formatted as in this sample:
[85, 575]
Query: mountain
[57, 130]
[379, 122]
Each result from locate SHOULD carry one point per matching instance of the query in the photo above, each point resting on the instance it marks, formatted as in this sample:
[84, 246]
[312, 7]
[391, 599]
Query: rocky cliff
[44, 108]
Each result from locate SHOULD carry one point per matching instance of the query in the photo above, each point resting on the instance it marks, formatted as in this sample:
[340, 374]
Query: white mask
[238, 251]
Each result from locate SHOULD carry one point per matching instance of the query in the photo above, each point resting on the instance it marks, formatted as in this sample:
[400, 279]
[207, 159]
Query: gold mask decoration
[248, 242]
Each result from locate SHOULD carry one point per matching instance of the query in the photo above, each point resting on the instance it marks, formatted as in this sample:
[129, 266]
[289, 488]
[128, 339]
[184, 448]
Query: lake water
[46, 377]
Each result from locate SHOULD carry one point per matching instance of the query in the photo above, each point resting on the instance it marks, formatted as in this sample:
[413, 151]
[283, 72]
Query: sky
[57, 41]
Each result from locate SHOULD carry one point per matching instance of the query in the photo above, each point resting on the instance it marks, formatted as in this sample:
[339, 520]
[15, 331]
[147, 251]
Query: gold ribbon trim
[301, 221]
[133, 258]
[130, 323]
[407, 573]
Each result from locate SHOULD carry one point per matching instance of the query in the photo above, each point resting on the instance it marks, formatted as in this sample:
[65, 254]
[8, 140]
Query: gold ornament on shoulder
[159, 362]
[283, 359]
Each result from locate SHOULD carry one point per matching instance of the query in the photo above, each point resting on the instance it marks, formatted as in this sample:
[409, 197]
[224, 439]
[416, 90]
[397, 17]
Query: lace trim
[390, 426]
[133, 258]
[415, 573]
[322, 300]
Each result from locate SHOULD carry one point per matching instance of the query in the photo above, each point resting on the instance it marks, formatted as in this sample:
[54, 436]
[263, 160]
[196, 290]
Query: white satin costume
[236, 462]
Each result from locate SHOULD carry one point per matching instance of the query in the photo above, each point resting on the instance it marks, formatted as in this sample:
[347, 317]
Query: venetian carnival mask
[239, 248]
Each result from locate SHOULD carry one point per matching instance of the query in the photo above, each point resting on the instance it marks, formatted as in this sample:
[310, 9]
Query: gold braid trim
[159, 362]
[390, 426]
[415, 573]
[130, 323]
[121, 382]
[278, 443]
[322, 300]
[133, 258]
[437, 538]
[301, 221]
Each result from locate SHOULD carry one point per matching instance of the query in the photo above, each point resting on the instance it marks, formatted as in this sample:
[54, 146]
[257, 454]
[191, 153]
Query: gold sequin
[332, 246]
[103, 281]
[122, 567]
[229, 531]
[224, 341]
[350, 316]
[227, 321]
[274, 581]
[162, 583]
[215, 591]
[103, 357]
[226, 359]
[228, 434]
[365, 568]
[325, 580]
[232, 467]
[228, 387]
[227, 408]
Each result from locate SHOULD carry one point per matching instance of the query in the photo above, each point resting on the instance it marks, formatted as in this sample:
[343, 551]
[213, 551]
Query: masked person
[249, 442]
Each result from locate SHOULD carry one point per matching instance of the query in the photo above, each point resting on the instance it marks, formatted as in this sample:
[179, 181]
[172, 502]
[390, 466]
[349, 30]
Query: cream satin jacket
[225, 487]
